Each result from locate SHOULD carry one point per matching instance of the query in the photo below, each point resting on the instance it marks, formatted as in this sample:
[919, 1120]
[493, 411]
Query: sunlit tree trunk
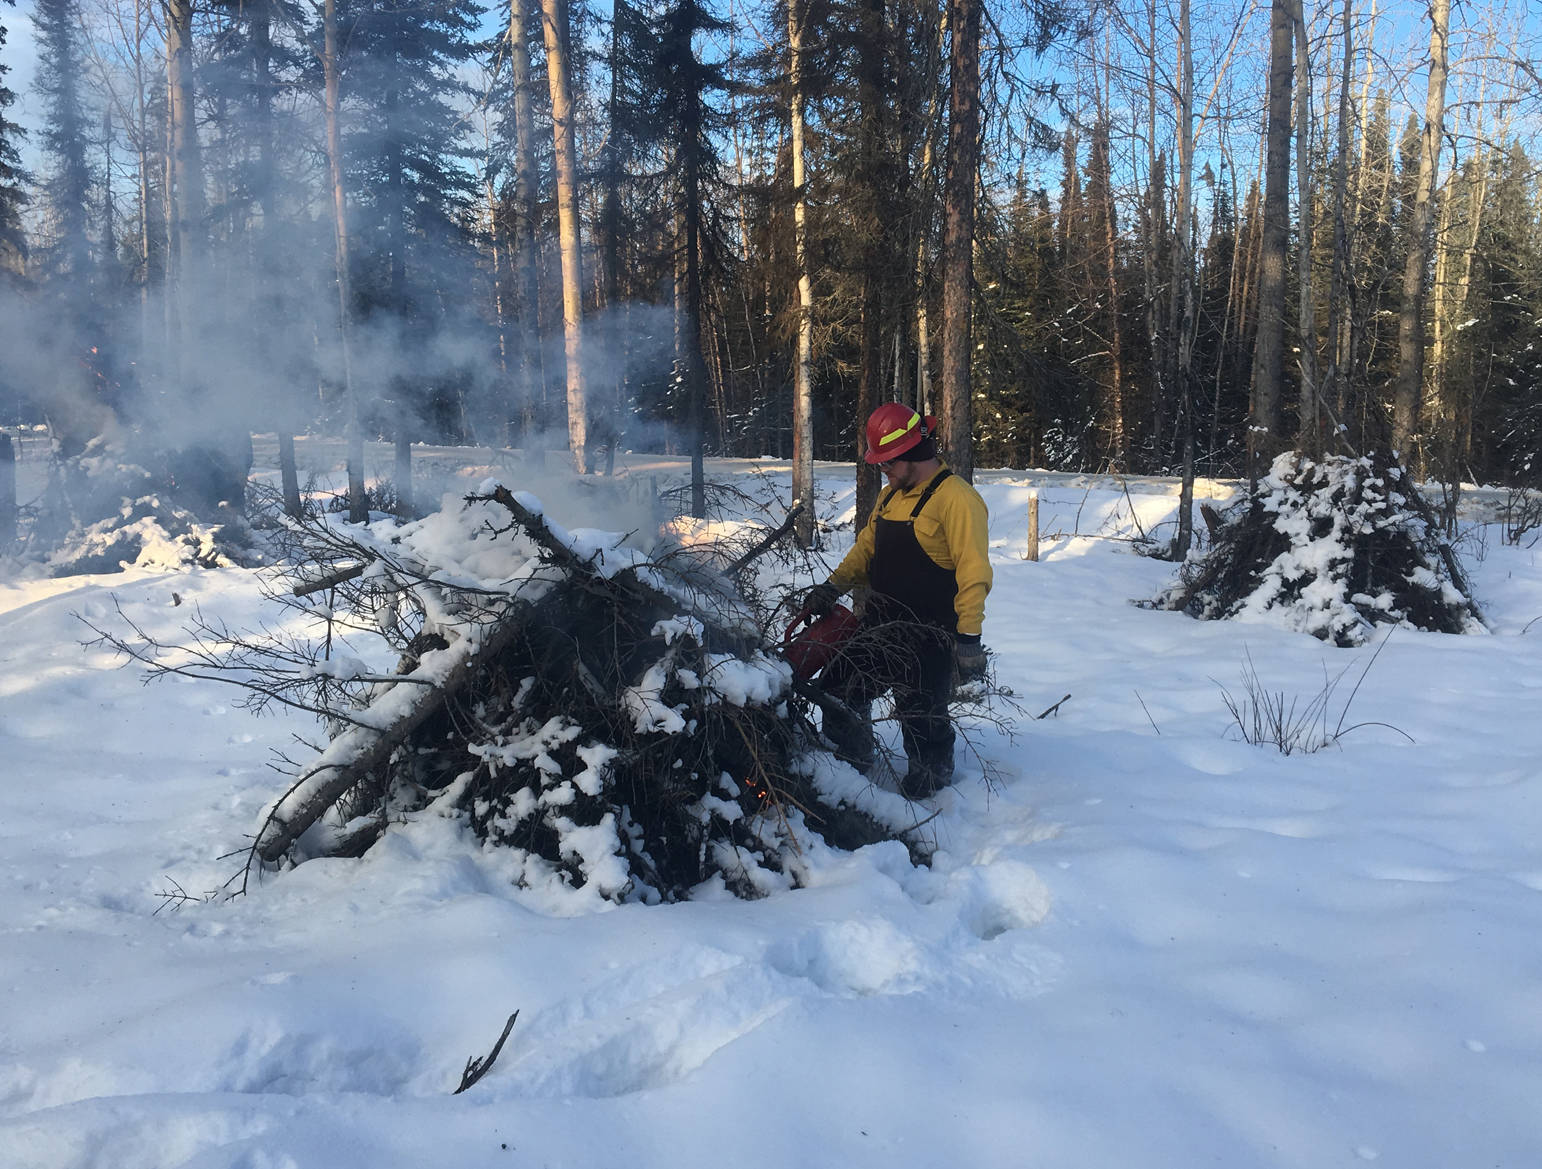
[554, 24]
[923, 402]
[958, 235]
[1182, 284]
[1311, 439]
[184, 195]
[358, 505]
[1410, 334]
[1107, 243]
[803, 363]
[1340, 288]
[1152, 211]
[873, 101]
[261, 32]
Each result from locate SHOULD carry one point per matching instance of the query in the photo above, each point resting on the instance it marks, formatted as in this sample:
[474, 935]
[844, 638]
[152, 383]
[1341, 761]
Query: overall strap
[928, 493]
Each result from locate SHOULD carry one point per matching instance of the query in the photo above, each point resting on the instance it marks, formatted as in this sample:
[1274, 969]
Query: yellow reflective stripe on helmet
[901, 432]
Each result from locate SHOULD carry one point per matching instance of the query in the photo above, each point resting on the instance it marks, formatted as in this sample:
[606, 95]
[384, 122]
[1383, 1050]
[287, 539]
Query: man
[923, 554]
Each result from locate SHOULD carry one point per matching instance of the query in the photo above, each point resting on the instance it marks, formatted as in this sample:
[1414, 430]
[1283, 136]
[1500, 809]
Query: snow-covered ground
[1152, 946]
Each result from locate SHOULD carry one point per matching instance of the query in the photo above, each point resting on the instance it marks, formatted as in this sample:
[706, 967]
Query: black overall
[905, 644]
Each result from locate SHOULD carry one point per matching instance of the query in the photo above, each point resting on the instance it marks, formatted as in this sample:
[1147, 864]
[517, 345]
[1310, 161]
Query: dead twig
[477, 1068]
[1057, 706]
[1142, 702]
[769, 541]
[331, 580]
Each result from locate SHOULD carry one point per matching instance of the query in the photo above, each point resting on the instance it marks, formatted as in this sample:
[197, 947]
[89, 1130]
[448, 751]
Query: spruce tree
[1501, 344]
[13, 243]
[685, 83]
[409, 188]
[66, 179]
[63, 251]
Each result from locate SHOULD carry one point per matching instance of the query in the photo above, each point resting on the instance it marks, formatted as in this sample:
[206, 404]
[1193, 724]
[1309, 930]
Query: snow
[1146, 943]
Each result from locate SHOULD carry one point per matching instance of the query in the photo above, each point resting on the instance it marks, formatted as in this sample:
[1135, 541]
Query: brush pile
[613, 718]
[103, 511]
[1334, 548]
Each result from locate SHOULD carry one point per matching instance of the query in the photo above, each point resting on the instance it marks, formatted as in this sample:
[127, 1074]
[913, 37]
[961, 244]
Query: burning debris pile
[1338, 546]
[101, 511]
[614, 719]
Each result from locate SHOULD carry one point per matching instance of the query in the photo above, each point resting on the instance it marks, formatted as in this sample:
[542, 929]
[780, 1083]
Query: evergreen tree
[1222, 346]
[82, 389]
[1034, 401]
[255, 64]
[410, 192]
[268, 252]
[13, 243]
[66, 181]
[1501, 345]
[686, 84]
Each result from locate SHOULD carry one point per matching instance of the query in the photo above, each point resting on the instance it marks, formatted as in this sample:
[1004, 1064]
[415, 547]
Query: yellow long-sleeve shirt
[953, 530]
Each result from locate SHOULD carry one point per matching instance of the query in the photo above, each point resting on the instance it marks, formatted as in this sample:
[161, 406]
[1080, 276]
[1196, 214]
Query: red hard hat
[893, 429]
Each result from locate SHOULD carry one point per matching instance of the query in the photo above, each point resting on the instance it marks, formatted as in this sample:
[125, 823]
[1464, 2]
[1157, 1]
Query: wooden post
[1032, 551]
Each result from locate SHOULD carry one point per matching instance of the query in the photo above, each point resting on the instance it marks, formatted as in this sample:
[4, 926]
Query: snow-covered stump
[1334, 548]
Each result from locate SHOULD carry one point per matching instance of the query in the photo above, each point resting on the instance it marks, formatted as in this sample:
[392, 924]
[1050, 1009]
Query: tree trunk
[358, 505]
[1266, 430]
[184, 195]
[526, 259]
[1182, 284]
[1158, 347]
[265, 196]
[805, 526]
[554, 24]
[1108, 248]
[1311, 422]
[873, 100]
[958, 235]
[1339, 287]
[613, 339]
[923, 402]
[1410, 332]
[142, 161]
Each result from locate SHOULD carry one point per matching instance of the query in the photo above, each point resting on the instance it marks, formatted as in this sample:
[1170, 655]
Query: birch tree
[803, 361]
[556, 33]
[358, 505]
[1409, 387]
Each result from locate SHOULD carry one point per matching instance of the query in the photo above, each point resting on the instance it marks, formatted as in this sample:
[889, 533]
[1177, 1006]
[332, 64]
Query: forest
[1154, 236]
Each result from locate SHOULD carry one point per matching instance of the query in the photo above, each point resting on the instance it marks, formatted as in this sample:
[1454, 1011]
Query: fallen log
[359, 751]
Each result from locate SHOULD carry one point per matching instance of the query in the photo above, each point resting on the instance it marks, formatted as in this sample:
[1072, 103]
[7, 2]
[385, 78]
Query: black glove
[968, 657]
[820, 599]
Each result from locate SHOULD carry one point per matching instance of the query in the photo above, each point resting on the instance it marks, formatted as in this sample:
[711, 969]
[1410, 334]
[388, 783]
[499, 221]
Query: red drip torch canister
[812, 648]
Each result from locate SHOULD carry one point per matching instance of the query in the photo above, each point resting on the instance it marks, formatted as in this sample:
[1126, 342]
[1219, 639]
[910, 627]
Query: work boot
[922, 781]
[855, 748]
[852, 740]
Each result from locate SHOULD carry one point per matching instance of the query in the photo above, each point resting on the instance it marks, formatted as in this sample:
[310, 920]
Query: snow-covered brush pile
[613, 719]
[1332, 548]
[102, 512]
